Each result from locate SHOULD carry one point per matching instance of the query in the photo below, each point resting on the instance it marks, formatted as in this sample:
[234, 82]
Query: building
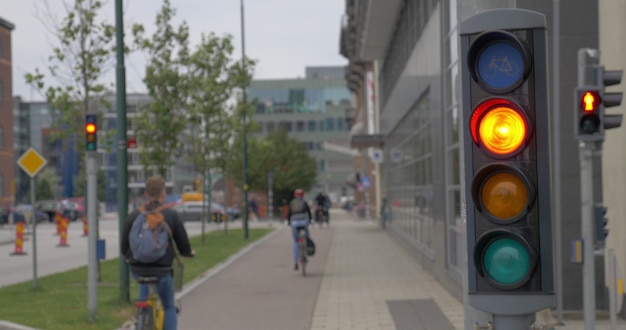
[313, 110]
[410, 48]
[33, 128]
[7, 153]
[180, 174]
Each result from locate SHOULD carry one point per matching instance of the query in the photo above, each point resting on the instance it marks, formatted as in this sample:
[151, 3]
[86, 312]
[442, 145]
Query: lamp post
[244, 132]
[122, 156]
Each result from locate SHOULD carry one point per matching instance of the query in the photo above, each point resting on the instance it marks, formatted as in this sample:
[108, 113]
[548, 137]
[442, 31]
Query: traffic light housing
[601, 221]
[588, 122]
[91, 132]
[603, 78]
[506, 146]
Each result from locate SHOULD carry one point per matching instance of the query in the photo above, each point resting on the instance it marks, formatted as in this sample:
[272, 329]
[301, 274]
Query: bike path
[260, 289]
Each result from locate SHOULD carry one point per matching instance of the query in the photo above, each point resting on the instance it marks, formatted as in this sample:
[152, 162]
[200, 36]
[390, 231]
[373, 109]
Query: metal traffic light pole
[92, 259]
[586, 205]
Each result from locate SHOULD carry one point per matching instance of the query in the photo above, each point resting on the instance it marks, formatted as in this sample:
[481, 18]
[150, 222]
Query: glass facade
[409, 177]
[451, 96]
[313, 111]
[276, 99]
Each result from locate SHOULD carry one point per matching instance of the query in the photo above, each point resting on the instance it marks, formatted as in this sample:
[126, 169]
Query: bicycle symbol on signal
[502, 65]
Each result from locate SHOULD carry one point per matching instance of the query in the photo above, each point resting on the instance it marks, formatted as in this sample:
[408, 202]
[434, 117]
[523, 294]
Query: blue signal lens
[500, 66]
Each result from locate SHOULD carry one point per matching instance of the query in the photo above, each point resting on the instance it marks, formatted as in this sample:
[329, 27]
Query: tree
[81, 178]
[160, 125]
[285, 157]
[213, 79]
[45, 180]
[83, 54]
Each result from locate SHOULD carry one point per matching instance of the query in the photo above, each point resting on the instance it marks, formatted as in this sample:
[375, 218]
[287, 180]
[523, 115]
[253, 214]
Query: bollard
[19, 239]
[85, 228]
[63, 233]
[58, 219]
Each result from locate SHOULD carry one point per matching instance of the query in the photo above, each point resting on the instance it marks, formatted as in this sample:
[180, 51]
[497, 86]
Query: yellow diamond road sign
[31, 162]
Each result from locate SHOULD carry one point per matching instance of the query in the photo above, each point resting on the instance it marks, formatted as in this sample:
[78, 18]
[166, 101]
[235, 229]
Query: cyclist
[162, 268]
[322, 202]
[298, 216]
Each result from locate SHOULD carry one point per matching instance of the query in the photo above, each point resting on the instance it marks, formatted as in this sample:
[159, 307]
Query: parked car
[50, 207]
[22, 210]
[192, 211]
[4, 216]
[233, 212]
[70, 210]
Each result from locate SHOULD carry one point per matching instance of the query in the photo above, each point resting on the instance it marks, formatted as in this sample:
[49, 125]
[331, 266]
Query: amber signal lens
[504, 196]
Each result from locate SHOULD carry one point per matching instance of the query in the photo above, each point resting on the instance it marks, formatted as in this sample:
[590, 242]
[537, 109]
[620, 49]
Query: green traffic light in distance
[506, 261]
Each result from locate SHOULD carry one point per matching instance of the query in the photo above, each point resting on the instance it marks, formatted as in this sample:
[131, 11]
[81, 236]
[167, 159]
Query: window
[322, 128]
[260, 108]
[312, 126]
[270, 126]
[321, 166]
[330, 124]
[299, 126]
[340, 126]
[286, 125]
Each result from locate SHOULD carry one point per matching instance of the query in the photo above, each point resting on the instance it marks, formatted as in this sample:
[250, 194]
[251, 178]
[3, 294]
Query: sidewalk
[360, 278]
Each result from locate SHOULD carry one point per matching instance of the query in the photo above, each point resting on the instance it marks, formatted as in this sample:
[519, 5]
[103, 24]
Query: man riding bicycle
[161, 268]
[298, 217]
[322, 202]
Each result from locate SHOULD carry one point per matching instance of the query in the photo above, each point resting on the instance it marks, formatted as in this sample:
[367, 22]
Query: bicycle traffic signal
[91, 132]
[507, 161]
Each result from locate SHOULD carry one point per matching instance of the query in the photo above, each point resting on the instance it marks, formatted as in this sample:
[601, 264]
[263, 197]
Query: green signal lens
[506, 261]
[589, 124]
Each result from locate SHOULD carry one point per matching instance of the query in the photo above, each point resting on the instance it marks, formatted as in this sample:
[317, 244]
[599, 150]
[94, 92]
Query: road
[53, 259]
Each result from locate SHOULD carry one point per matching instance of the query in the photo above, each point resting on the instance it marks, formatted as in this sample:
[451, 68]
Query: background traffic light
[588, 121]
[91, 132]
[506, 146]
[601, 221]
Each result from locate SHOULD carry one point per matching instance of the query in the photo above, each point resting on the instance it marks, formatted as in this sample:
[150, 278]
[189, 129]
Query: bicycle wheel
[145, 319]
[303, 260]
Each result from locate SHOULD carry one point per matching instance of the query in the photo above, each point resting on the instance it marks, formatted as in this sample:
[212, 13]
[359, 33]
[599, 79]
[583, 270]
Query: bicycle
[150, 313]
[322, 216]
[302, 250]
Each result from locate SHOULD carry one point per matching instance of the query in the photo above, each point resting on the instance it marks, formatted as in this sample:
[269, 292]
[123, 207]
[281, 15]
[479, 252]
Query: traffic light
[588, 124]
[601, 222]
[91, 132]
[506, 145]
[603, 78]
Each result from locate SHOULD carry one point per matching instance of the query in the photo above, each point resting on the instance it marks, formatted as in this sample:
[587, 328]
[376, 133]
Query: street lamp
[245, 142]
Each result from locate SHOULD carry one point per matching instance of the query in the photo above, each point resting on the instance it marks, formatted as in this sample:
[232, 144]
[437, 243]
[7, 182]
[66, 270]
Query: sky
[284, 36]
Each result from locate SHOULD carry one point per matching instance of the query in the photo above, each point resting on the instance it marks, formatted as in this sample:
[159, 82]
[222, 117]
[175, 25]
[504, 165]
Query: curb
[6, 325]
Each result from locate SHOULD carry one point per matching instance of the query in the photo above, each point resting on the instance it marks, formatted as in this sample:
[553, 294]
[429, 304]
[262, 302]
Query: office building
[313, 111]
[410, 48]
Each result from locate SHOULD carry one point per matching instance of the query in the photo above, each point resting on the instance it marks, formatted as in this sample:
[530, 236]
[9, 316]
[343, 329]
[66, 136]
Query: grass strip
[60, 301]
